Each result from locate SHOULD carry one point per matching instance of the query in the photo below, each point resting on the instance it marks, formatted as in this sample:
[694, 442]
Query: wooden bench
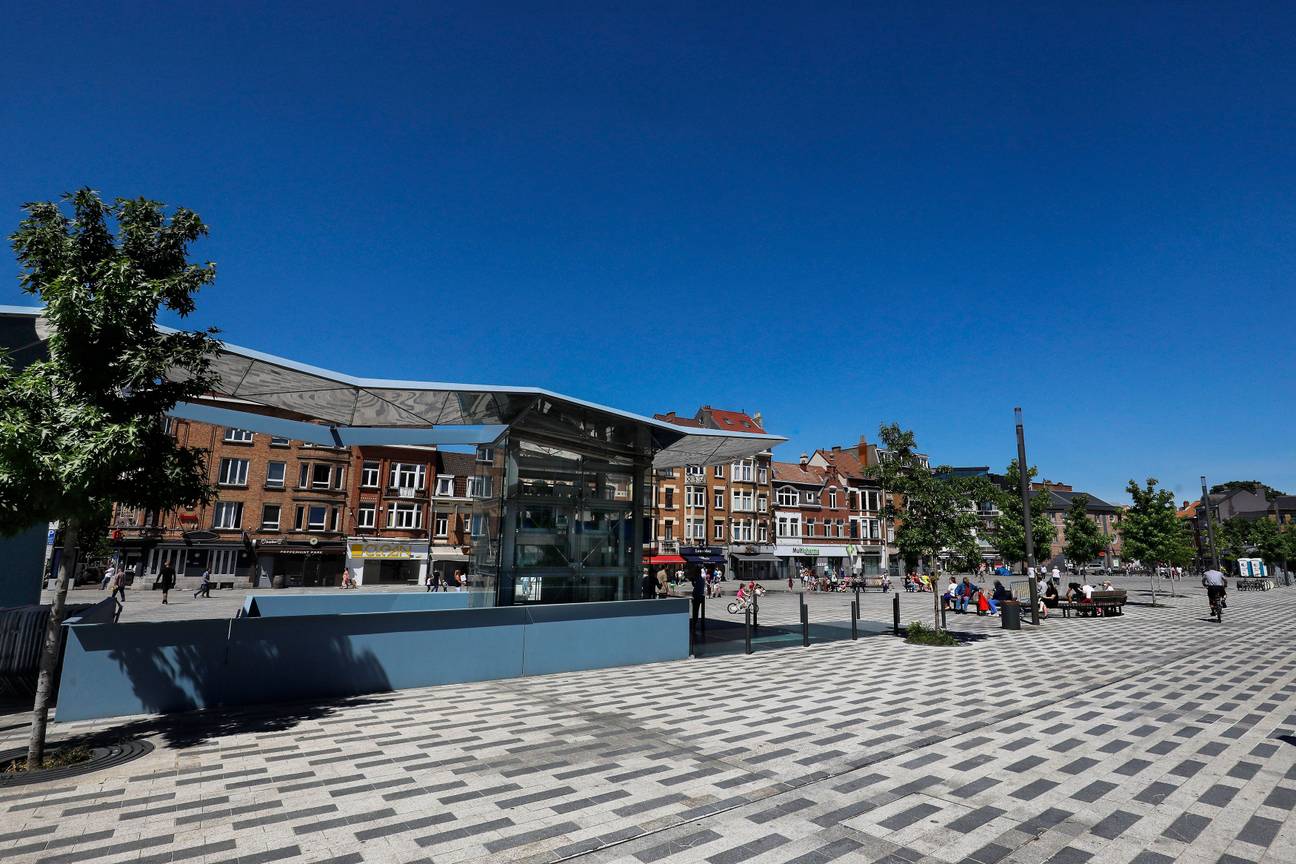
[867, 582]
[1107, 602]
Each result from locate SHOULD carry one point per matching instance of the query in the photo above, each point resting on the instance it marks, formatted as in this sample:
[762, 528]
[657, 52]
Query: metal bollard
[943, 626]
[855, 620]
[805, 626]
[755, 610]
[747, 615]
[895, 613]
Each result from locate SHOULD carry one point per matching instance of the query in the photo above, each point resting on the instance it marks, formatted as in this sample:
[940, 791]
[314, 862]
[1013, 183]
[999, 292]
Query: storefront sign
[378, 550]
[805, 551]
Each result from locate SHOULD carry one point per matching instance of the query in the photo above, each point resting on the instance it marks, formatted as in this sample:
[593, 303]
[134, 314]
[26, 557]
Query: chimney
[836, 448]
[805, 460]
[861, 451]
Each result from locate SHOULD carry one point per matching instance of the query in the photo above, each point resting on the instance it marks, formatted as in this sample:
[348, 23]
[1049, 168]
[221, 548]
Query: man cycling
[1216, 584]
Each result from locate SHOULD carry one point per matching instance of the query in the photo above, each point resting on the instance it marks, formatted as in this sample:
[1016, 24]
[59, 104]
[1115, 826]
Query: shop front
[709, 557]
[865, 560]
[753, 562]
[374, 561]
[445, 560]
[818, 560]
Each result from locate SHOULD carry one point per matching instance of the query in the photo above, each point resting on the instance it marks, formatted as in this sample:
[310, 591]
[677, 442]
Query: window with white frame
[788, 525]
[369, 474]
[743, 501]
[366, 516]
[693, 470]
[762, 504]
[321, 475]
[812, 497]
[442, 525]
[742, 470]
[227, 515]
[718, 470]
[741, 531]
[875, 529]
[762, 475]
[786, 496]
[841, 527]
[668, 493]
[479, 487]
[276, 472]
[695, 496]
[719, 499]
[316, 518]
[270, 517]
[809, 527]
[238, 436]
[408, 475]
[486, 455]
[279, 441]
[762, 533]
[233, 472]
[668, 529]
[718, 529]
[695, 529]
[445, 486]
[832, 500]
[402, 514]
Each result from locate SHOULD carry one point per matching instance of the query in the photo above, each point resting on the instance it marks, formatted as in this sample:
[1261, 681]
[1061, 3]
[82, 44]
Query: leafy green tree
[1151, 531]
[938, 511]
[84, 427]
[1233, 537]
[1253, 486]
[1010, 527]
[1288, 546]
[1084, 539]
[1268, 541]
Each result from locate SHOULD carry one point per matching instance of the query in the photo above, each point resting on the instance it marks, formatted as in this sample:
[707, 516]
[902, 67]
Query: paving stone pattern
[1158, 736]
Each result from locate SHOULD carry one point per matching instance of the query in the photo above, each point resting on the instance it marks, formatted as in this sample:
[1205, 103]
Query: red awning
[663, 559]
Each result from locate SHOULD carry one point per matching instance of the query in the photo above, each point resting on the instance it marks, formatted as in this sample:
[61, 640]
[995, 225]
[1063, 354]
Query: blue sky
[836, 215]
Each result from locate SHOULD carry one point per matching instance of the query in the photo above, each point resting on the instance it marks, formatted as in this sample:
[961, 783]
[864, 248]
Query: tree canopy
[1010, 527]
[1151, 531]
[84, 427]
[1253, 486]
[1084, 539]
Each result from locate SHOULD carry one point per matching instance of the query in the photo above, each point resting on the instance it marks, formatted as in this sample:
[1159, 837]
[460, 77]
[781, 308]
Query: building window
[718, 470]
[695, 529]
[742, 471]
[789, 526]
[809, 527]
[270, 517]
[692, 470]
[403, 515]
[408, 475]
[442, 525]
[762, 504]
[238, 436]
[762, 533]
[832, 500]
[812, 497]
[695, 496]
[279, 441]
[223, 562]
[762, 475]
[479, 487]
[445, 486]
[275, 474]
[366, 516]
[486, 455]
[719, 499]
[719, 530]
[321, 475]
[668, 529]
[742, 500]
[786, 496]
[228, 515]
[233, 472]
[369, 474]
[670, 497]
[316, 518]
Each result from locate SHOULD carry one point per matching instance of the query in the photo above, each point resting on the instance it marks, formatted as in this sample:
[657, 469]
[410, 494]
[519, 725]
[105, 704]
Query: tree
[1084, 539]
[938, 511]
[1233, 538]
[1253, 486]
[1010, 527]
[1151, 530]
[1268, 542]
[84, 427]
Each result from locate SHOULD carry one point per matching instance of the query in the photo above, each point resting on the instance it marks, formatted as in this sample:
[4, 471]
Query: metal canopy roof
[257, 383]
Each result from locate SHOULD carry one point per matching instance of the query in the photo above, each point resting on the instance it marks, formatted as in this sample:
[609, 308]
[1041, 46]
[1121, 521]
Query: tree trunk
[49, 653]
[936, 599]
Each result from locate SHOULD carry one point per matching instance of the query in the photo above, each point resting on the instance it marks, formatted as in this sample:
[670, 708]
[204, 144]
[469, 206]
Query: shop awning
[760, 556]
[704, 559]
[445, 554]
[663, 559]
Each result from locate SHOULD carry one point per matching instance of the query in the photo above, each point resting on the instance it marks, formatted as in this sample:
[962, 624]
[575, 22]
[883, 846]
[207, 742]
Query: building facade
[812, 514]
[719, 515]
[279, 516]
[867, 550]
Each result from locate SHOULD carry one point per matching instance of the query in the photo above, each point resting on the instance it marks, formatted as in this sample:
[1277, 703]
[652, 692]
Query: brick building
[412, 509]
[280, 512]
[867, 550]
[720, 515]
[1106, 515]
[812, 514]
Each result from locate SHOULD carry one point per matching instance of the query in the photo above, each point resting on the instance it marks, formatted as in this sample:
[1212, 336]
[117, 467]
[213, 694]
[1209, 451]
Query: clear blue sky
[838, 216]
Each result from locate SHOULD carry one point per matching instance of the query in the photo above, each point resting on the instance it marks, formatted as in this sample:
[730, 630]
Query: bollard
[895, 613]
[943, 625]
[855, 620]
[755, 610]
[747, 615]
[702, 622]
[805, 626]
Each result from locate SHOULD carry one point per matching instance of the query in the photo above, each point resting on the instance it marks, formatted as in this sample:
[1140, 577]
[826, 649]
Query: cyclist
[1215, 583]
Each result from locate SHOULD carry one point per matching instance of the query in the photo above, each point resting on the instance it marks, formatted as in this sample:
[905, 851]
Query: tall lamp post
[1024, 476]
[1210, 528]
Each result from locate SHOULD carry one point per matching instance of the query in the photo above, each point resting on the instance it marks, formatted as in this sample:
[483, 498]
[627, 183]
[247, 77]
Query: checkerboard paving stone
[1156, 736]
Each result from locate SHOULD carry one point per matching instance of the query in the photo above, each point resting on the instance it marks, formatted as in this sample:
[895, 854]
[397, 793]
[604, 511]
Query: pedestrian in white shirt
[1057, 574]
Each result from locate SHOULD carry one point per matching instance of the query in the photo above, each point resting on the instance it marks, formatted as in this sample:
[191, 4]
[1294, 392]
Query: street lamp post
[1024, 475]
[1210, 528]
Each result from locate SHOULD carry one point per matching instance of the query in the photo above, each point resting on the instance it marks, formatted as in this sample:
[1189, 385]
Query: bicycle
[740, 605]
[1216, 605]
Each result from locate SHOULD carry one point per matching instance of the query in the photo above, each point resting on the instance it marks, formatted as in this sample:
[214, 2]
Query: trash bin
[1010, 616]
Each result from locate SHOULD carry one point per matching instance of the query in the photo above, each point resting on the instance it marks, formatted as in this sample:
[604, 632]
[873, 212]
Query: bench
[1107, 602]
[226, 584]
[867, 582]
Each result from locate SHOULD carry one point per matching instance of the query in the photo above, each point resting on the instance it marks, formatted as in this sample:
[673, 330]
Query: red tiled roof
[846, 461]
[735, 421]
[457, 464]
[792, 472]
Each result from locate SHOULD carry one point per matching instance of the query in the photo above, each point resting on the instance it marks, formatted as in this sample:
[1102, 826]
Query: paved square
[1157, 736]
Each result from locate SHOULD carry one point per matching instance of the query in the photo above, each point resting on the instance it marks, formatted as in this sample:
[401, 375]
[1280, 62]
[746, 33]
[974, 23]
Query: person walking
[699, 595]
[109, 573]
[663, 586]
[204, 587]
[118, 587]
[647, 586]
[166, 580]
